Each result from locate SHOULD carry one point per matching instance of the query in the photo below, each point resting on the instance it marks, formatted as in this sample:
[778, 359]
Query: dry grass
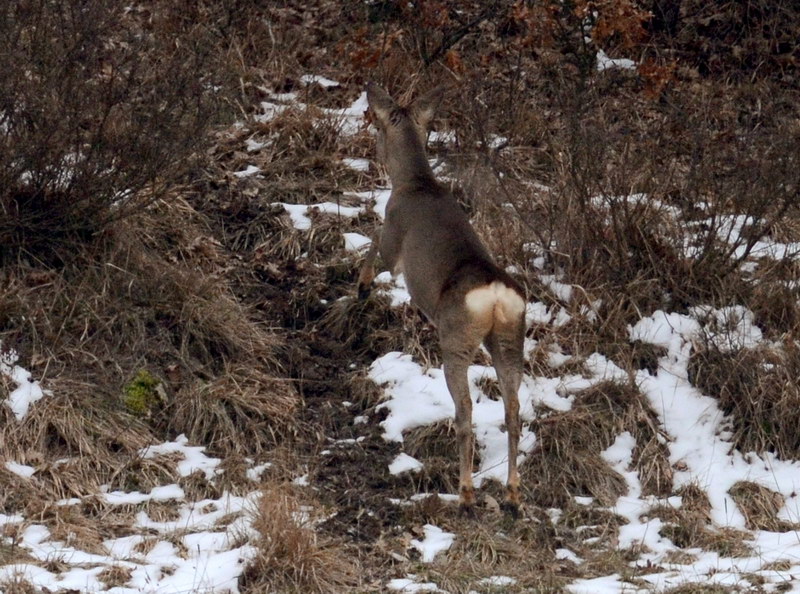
[291, 556]
[158, 300]
[567, 461]
[18, 586]
[245, 410]
[760, 507]
[689, 526]
[758, 388]
[205, 290]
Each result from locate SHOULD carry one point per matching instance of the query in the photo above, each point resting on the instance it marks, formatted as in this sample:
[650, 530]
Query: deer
[450, 275]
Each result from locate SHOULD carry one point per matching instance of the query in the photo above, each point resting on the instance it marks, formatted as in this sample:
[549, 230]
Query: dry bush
[629, 178]
[567, 461]
[291, 557]
[104, 108]
[755, 39]
[758, 389]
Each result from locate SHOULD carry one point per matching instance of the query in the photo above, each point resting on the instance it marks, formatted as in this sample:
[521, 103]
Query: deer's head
[402, 131]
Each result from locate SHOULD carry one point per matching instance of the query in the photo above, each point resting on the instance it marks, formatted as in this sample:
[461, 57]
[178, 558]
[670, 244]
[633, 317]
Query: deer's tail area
[495, 305]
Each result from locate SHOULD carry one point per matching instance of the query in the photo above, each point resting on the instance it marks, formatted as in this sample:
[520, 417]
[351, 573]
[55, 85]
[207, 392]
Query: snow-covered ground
[206, 548]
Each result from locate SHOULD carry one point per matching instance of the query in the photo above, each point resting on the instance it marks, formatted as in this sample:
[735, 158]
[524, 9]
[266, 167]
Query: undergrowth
[127, 243]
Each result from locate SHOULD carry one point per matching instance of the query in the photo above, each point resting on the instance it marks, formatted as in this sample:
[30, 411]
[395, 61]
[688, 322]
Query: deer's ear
[380, 102]
[425, 106]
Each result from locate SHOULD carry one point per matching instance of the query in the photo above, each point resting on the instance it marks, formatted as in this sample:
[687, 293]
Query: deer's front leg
[367, 273]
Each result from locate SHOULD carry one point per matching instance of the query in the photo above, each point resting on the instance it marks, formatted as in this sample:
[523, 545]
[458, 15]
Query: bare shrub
[101, 111]
[18, 585]
[754, 39]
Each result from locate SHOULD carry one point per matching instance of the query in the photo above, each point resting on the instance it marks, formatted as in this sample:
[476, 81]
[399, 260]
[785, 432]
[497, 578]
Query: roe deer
[450, 275]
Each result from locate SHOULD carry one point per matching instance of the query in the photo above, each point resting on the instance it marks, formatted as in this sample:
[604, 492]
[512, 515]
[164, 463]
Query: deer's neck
[410, 163]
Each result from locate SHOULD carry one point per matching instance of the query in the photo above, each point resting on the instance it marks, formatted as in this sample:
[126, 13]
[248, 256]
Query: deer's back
[440, 252]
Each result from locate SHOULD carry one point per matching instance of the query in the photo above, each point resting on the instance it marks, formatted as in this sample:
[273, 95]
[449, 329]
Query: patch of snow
[380, 196]
[447, 497]
[410, 584]
[497, 581]
[250, 170]
[22, 470]
[397, 291]
[253, 145]
[194, 457]
[355, 242]
[436, 541]
[561, 290]
[442, 137]
[269, 111]
[537, 313]
[404, 463]
[609, 584]
[254, 473]
[356, 164]
[729, 328]
[566, 554]
[27, 391]
[298, 213]
[350, 119]
[160, 493]
[200, 515]
[604, 62]
[310, 79]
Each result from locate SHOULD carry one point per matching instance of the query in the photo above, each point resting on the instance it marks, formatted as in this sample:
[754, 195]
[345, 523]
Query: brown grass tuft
[244, 410]
[18, 586]
[115, 576]
[567, 461]
[758, 388]
[760, 506]
[291, 558]
[437, 447]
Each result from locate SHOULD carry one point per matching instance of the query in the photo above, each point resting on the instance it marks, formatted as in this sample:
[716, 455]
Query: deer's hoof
[466, 510]
[511, 509]
[364, 291]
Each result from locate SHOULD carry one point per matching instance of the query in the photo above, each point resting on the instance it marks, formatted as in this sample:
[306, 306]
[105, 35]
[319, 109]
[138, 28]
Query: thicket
[103, 107]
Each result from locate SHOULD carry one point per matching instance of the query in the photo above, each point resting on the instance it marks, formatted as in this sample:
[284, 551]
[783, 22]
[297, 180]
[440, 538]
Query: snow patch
[27, 391]
[404, 463]
[436, 541]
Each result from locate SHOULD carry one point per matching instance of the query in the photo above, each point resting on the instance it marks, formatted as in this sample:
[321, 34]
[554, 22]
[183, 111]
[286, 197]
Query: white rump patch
[483, 300]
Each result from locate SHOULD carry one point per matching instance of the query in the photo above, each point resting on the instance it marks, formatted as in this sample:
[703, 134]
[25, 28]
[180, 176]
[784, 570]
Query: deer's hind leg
[505, 344]
[460, 342]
